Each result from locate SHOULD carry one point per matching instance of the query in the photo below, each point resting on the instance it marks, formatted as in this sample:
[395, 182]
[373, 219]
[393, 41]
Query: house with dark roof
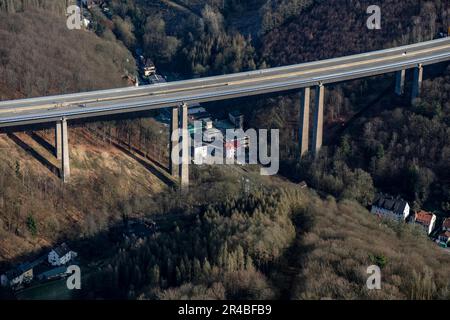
[149, 68]
[388, 206]
[61, 255]
[425, 219]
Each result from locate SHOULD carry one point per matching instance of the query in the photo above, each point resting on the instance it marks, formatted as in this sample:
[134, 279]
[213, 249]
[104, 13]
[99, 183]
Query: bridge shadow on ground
[34, 153]
[146, 164]
[44, 143]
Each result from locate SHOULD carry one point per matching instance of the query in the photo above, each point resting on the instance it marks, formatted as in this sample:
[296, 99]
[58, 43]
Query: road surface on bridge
[130, 99]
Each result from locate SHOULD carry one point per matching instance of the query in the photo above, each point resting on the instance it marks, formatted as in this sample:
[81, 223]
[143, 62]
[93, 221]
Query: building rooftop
[53, 272]
[389, 203]
[224, 125]
[62, 250]
[446, 223]
[235, 113]
[195, 110]
[445, 234]
[13, 273]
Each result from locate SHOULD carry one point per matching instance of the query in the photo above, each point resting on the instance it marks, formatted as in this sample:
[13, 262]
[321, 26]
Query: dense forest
[40, 56]
[282, 243]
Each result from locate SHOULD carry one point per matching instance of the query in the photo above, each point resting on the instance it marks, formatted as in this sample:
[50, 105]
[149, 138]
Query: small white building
[200, 154]
[446, 225]
[14, 277]
[149, 67]
[210, 135]
[230, 147]
[61, 255]
[237, 119]
[86, 23]
[385, 205]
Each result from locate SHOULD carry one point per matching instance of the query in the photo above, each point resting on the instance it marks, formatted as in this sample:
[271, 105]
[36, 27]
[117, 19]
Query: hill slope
[36, 210]
[40, 56]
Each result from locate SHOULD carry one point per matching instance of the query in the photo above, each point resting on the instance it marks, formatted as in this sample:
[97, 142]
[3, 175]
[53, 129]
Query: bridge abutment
[318, 119]
[305, 96]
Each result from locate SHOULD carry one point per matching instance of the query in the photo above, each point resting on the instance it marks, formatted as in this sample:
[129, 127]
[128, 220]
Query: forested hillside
[282, 243]
[37, 210]
[56, 7]
[220, 240]
[40, 56]
[389, 147]
[337, 28]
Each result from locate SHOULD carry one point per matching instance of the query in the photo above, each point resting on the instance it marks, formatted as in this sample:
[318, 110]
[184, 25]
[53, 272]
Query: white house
[149, 67]
[86, 23]
[426, 219]
[386, 205]
[211, 134]
[61, 255]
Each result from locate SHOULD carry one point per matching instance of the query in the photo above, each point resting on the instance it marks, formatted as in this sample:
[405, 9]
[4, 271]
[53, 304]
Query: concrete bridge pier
[185, 152]
[400, 82]
[305, 96]
[58, 141]
[417, 82]
[174, 140]
[318, 119]
[62, 149]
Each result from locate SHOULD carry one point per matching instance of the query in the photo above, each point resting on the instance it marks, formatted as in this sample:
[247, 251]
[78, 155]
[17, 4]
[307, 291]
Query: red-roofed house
[446, 225]
[426, 219]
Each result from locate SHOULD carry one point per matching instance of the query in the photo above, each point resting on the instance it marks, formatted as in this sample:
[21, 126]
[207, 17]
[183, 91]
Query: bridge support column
[400, 82]
[174, 140]
[417, 82]
[304, 120]
[185, 152]
[58, 141]
[65, 162]
[318, 119]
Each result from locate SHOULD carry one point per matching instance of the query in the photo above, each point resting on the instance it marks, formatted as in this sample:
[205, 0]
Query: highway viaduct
[177, 95]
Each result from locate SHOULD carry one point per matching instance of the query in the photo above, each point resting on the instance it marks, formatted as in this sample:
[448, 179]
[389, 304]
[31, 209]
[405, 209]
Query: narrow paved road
[180, 7]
